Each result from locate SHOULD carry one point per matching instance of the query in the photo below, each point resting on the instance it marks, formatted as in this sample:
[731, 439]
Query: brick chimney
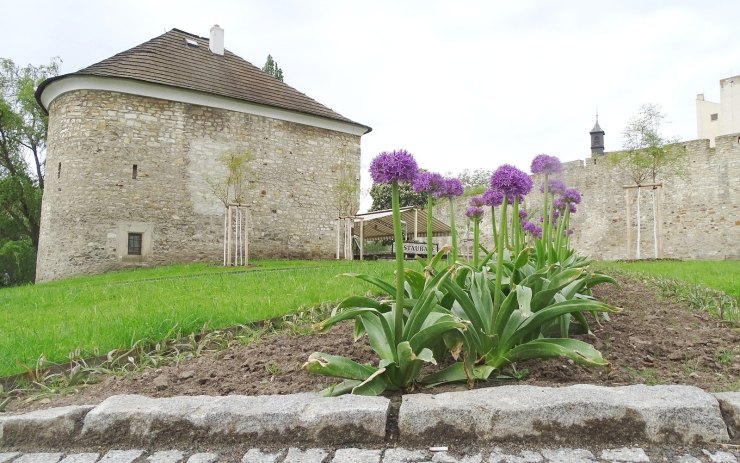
[216, 44]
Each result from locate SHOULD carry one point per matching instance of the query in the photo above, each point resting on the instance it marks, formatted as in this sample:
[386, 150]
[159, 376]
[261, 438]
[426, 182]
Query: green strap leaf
[339, 367]
[383, 285]
[456, 373]
[380, 335]
[578, 351]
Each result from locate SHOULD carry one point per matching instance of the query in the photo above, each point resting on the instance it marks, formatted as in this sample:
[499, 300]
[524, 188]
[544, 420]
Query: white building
[723, 118]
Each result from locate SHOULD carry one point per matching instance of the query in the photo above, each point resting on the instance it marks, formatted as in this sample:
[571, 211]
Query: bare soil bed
[653, 341]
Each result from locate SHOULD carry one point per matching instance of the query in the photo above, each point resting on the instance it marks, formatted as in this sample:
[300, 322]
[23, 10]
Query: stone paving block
[39, 458]
[567, 455]
[258, 456]
[81, 458]
[525, 456]
[306, 456]
[203, 458]
[600, 414]
[686, 458]
[625, 454]
[357, 456]
[729, 402]
[304, 419]
[720, 456]
[444, 457]
[168, 456]
[5, 457]
[121, 456]
[402, 455]
[51, 428]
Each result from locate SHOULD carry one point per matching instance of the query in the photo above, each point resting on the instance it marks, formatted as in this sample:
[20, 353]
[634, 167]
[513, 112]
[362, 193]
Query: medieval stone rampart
[91, 200]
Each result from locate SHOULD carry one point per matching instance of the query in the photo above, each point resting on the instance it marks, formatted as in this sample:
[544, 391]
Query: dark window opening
[714, 117]
[134, 171]
[59, 170]
[134, 244]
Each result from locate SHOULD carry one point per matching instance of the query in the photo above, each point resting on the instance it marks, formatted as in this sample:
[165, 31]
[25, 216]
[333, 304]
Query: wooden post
[416, 224]
[629, 222]
[362, 239]
[659, 220]
[246, 237]
[229, 237]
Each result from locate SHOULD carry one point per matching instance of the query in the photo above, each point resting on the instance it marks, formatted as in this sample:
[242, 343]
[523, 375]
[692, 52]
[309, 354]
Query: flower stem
[398, 314]
[453, 234]
[545, 218]
[499, 261]
[430, 244]
[515, 226]
[476, 237]
[493, 227]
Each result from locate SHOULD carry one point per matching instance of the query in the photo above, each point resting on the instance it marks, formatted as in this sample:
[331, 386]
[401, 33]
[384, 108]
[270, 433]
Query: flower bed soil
[653, 341]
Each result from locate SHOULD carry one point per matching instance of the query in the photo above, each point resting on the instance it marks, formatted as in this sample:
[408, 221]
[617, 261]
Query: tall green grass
[723, 275]
[104, 312]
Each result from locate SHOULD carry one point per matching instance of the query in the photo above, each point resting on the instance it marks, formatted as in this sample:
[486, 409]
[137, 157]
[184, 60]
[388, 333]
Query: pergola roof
[378, 225]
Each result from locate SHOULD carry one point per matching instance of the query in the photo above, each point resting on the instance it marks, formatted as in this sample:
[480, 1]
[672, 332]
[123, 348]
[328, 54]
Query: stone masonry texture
[700, 206]
[91, 201]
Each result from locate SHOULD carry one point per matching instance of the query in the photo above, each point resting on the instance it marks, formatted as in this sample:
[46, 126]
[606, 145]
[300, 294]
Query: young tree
[271, 67]
[381, 195]
[648, 154]
[23, 126]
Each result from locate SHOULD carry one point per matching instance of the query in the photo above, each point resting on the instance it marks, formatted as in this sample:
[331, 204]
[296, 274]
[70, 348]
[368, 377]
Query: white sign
[417, 248]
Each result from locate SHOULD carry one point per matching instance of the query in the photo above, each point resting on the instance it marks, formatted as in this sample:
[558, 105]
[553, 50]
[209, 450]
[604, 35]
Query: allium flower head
[493, 197]
[474, 213]
[477, 201]
[558, 203]
[532, 229]
[554, 187]
[544, 164]
[572, 207]
[396, 166]
[511, 181]
[450, 188]
[522, 214]
[571, 195]
[427, 182]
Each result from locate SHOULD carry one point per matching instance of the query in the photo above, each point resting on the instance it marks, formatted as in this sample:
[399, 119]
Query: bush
[17, 263]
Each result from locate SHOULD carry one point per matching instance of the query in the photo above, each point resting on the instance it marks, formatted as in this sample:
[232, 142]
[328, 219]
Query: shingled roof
[170, 60]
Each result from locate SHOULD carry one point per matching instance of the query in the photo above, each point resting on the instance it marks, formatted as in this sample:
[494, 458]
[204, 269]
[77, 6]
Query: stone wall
[700, 208]
[91, 202]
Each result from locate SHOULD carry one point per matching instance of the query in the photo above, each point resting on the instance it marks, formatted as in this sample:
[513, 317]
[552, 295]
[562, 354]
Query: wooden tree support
[236, 235]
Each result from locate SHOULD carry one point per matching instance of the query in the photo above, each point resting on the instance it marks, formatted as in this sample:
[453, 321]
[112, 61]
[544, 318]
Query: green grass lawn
[99, 313]
[723, 275]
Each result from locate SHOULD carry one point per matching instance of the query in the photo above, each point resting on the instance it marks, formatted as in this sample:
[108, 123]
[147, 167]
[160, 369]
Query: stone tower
[597, 139]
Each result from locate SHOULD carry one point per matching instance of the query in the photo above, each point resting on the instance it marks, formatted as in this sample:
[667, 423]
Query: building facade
[136, 153]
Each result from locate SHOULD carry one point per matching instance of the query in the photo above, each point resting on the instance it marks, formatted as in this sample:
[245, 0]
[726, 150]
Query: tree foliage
[233, 188]
[475, 178]
[23, 127]
[271, 67]
[647, 152]
[381, 195]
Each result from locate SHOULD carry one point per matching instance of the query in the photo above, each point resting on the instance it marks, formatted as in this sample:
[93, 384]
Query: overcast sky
[463, 84]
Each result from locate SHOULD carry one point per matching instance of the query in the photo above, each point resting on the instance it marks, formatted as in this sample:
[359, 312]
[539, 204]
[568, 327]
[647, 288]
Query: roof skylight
[191, 42]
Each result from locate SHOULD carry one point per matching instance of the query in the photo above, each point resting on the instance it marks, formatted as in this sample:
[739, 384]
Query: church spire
[597, 138]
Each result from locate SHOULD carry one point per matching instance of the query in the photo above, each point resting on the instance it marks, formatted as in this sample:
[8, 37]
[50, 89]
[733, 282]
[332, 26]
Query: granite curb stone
[296, 418]
[729, 402]
[656, 414]
[42, 426]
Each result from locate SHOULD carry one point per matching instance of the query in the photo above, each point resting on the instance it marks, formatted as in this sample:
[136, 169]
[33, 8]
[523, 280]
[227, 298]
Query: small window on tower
[134, 171]
[714, 117]
[134, 244]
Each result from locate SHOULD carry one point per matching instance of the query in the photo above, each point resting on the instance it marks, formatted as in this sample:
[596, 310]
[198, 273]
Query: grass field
[103, 312]
[723, 275]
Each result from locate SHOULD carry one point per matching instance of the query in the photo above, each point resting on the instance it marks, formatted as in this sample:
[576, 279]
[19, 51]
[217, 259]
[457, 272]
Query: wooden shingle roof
[171, 59]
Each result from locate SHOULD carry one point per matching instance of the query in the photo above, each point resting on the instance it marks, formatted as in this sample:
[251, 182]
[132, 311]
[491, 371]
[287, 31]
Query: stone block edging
[627, 414]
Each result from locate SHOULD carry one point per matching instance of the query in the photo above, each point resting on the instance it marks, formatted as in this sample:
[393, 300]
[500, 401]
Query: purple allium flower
[532, 229]
[522, 214]
[571, 195]
[451, 187]
[474, 213]
[493, 197]
[554, 187]
[572, 207]
[511, 181]
[477, 201]
[558, 203]
[427, 182]
[396, 166]
[555, 214]
[544, 164]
